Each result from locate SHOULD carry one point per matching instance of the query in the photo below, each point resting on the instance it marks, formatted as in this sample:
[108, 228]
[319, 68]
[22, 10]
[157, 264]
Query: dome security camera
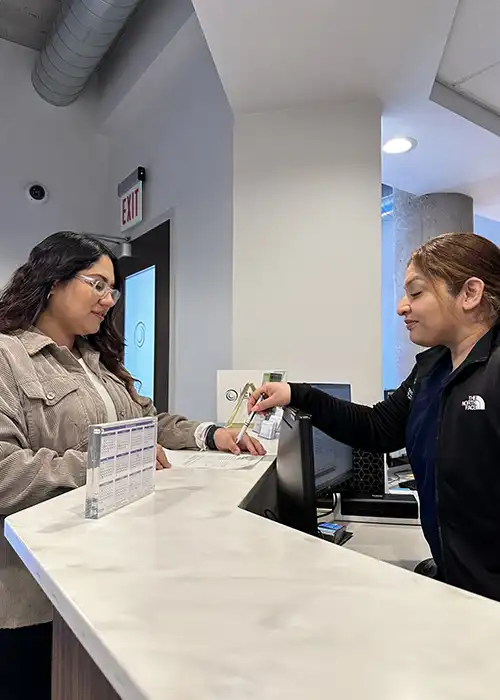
[36, 193]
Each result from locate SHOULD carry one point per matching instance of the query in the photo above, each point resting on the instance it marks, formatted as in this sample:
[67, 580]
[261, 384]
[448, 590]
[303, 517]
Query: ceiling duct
[82, 34]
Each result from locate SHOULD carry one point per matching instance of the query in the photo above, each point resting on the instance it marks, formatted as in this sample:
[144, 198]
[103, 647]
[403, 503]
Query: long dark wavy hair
[59, 258]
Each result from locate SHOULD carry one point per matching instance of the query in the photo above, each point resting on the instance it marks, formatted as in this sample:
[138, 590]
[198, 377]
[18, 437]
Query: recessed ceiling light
[401, 144]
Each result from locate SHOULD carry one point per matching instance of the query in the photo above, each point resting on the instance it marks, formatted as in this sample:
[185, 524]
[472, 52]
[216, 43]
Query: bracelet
[209, 437]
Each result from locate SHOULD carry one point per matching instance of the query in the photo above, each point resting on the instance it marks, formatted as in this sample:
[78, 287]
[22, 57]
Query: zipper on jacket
[436, 490]
[443, 400]
[442, 403]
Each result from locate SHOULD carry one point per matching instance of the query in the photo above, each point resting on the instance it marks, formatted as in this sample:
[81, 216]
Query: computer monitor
[295, 473]
[341, 469]
[333, 461]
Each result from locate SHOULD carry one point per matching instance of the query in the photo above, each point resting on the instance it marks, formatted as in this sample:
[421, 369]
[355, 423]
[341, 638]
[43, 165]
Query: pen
[250, 418]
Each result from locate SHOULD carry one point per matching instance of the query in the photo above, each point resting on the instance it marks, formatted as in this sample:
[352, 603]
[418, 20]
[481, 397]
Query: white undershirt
[103, 392]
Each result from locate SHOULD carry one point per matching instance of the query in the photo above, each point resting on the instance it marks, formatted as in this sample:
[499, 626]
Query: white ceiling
[454, 155]
[274, 53]
[27, 22]
[471, 61]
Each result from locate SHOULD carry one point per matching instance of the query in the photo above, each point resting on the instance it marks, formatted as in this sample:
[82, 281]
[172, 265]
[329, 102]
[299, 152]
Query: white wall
[176, 122]
[58, 147]
[488, 228]
[307, 253]
[390, 319]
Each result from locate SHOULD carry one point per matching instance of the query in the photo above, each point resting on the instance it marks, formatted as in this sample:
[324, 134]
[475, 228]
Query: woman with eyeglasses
[61, 370]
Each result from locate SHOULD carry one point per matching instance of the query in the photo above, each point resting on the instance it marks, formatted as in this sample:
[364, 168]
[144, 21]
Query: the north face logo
[474, 403]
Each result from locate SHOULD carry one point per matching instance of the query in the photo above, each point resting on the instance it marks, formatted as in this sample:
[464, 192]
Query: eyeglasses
[100, 287]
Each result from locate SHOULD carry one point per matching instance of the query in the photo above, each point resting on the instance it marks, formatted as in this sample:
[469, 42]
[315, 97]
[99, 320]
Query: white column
[307, 244]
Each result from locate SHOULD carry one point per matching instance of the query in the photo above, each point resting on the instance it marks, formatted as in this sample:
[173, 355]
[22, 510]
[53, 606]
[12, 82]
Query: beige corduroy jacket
[47, 402]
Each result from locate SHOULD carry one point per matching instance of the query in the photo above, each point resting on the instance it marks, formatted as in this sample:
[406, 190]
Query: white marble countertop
[185, 596]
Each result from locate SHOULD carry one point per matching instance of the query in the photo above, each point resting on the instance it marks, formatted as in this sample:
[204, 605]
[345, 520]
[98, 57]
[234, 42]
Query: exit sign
[131, 207]
[130, 195]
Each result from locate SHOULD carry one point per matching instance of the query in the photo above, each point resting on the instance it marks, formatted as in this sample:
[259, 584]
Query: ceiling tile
[473, 43]
[484, 88]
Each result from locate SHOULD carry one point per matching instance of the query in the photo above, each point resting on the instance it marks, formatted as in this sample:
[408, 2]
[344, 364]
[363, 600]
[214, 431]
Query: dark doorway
[144, 316]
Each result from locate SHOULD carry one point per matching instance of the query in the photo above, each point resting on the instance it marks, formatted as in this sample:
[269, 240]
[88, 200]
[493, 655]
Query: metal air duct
[82, 34]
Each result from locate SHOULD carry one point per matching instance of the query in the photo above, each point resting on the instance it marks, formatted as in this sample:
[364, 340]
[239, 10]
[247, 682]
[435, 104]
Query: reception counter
[185, 595]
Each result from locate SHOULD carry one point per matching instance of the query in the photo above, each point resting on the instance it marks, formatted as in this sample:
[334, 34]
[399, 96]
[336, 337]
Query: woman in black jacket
[446, 413]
